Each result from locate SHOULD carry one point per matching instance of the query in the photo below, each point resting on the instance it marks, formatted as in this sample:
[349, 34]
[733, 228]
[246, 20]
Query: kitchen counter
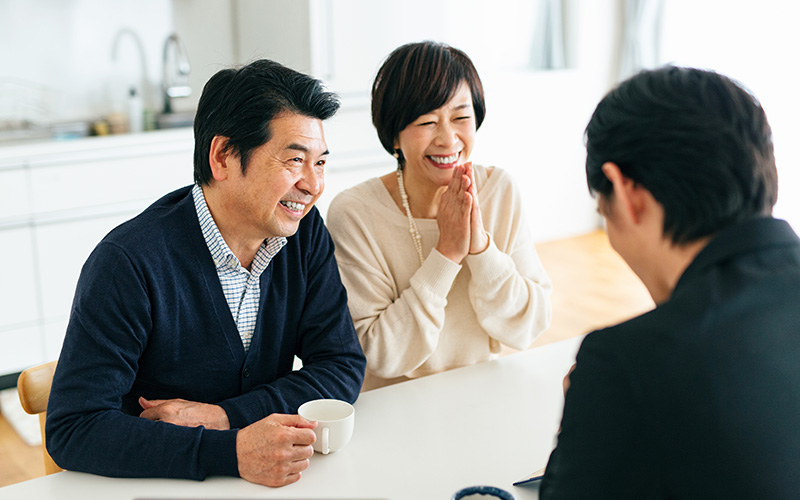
[13, 155]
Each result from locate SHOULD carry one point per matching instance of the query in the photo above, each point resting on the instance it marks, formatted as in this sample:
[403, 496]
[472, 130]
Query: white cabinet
[18, 300]
[14, 194]
[57, 201]
[21, 348]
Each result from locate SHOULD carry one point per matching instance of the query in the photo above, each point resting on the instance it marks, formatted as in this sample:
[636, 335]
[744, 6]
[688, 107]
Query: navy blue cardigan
[150, 319]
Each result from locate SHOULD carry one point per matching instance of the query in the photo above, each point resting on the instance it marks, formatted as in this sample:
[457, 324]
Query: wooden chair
[34, 390]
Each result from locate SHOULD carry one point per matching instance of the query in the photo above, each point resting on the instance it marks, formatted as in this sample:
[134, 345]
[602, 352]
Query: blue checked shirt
[241, 287]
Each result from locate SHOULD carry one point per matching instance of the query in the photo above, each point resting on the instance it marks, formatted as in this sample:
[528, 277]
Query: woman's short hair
[418, 78]
[698, 141]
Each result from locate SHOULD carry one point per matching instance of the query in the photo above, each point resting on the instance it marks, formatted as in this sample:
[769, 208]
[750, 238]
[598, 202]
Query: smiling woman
[437, 257]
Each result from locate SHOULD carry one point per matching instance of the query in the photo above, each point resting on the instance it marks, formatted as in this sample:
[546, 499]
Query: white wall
[207, 29]
[535, 122]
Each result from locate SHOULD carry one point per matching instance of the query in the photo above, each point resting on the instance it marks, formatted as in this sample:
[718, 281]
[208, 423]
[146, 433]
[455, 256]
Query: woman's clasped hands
[461, 230]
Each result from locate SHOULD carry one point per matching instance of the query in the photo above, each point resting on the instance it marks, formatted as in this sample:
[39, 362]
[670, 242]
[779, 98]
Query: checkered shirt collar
[220, 251]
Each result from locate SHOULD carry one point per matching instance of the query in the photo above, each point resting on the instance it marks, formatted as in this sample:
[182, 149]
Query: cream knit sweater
[416, 320]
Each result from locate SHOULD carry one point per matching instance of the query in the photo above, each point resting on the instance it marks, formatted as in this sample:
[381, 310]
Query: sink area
[32, 113]
[24, 131]
[8, 135]
[27, 131]
[175, 120]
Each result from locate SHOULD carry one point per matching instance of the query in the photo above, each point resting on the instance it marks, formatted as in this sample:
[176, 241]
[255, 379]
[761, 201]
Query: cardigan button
[246, 372]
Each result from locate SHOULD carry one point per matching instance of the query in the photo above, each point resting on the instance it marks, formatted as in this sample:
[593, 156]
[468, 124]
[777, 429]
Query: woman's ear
[219, 157]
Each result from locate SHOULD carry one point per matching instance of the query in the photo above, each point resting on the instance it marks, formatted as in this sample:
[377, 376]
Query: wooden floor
[18, 461]
[592, 287]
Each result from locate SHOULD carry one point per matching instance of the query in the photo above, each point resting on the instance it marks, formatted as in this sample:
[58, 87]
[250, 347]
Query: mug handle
[325, 441]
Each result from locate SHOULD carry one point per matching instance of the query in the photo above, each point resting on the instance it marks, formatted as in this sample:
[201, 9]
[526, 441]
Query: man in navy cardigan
[178, 357]
[700, 397]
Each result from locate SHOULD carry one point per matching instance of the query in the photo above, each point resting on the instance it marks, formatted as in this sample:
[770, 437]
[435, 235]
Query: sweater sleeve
[398, 330]
[509, 289]
[87, 430]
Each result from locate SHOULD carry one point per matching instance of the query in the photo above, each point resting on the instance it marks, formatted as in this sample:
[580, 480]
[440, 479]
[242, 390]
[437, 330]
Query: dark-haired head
[416, 79]
[240, 104]
[695, 139]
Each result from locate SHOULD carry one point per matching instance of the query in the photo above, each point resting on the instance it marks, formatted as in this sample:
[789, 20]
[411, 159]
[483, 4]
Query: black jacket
[700, 397]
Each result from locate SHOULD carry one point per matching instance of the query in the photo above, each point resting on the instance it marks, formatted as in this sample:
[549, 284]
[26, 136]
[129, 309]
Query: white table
[492, 423]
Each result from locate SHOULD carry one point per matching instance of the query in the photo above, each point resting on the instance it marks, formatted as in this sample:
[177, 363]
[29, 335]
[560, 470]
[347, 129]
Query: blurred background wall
[544, 64]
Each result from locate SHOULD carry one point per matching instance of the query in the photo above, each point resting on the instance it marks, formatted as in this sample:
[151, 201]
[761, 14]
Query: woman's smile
[444, 161]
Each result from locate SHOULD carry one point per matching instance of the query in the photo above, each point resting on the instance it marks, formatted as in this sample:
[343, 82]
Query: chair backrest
[33, 386]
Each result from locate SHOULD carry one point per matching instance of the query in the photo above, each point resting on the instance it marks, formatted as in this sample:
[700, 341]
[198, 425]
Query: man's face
[283, 179]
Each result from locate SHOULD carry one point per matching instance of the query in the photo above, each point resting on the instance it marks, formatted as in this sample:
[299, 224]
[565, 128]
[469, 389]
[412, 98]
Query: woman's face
[437, 141]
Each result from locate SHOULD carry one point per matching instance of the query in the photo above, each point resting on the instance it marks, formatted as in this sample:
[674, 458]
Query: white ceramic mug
[335, 421]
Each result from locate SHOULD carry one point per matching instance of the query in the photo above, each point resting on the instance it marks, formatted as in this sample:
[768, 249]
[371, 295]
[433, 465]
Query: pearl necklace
[412, 225]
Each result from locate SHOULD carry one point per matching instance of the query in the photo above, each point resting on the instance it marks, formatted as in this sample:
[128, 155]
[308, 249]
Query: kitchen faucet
[136, 93]
[176, 70]
[139, 48]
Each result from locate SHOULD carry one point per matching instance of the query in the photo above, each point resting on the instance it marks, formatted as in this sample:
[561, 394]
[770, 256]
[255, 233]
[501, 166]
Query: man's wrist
[223, 421]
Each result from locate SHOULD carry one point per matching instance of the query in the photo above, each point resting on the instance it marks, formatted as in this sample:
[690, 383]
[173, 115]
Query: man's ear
[631, 196]
[219, 157]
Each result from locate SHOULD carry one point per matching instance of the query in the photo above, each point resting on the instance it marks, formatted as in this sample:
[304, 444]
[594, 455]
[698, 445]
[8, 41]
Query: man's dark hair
[418, 78]
[698, 141]
[240, 104]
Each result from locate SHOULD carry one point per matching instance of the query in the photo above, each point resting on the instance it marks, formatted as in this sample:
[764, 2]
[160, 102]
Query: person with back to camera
[437, 257]
[178, 357]
[700, 397]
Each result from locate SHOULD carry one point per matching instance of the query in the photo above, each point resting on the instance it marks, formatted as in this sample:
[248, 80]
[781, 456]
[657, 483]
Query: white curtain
[641, 32]
[548, 36]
